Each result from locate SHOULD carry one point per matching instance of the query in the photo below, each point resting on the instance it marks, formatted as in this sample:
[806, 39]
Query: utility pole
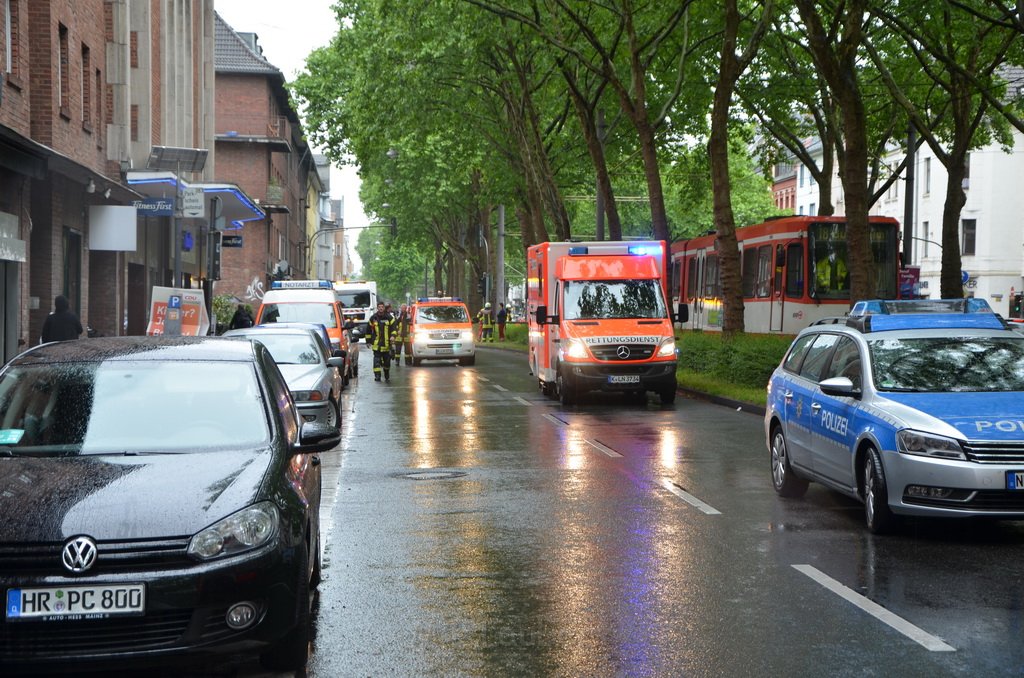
[499, 266]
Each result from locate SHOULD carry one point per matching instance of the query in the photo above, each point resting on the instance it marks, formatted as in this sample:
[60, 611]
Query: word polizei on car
[914, 407]
[161, 503]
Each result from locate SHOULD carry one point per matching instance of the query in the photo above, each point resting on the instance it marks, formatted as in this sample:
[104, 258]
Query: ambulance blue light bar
[577, 250]
[640, 250]
[928, 321]
[426, 299]
[301, 285]
[919, 306]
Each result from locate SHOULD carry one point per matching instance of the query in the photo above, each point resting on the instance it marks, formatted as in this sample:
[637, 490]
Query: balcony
[275, 131]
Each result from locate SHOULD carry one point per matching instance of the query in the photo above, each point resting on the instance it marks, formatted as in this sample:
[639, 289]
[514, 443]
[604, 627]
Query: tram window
[749, 271]
[691, 279]
[764, 270]
[712, 283]
[795, 270]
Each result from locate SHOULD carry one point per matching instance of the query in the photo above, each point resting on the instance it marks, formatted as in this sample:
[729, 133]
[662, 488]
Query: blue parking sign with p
[174, 301]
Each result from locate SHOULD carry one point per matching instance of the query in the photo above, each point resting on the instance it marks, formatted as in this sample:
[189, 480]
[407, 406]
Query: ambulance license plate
[443, 351]
[75, 602]
[1015, 480]
[623, 378]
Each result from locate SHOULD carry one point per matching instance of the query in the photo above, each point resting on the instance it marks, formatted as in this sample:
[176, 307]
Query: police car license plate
[1015, 480]
[623, 378]
[75, 602]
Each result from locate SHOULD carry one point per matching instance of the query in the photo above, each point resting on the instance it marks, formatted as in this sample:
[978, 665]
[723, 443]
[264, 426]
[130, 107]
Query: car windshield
[588, 299]
[441, 314]
[354, 298]
[130, 407]
[288, 349]
[945, 364]
[297, 312]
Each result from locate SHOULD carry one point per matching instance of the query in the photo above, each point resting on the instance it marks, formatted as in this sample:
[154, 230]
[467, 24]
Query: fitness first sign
[155, 207]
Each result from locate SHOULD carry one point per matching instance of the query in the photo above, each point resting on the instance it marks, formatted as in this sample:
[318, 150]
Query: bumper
[184, 617]
[442, 350]
[652, 376]
[974, 489]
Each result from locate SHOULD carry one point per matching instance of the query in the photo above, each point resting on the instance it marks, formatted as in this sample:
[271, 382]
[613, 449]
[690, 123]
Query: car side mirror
[315, 436]
[839, 386]
[337, 360]
[541, 315]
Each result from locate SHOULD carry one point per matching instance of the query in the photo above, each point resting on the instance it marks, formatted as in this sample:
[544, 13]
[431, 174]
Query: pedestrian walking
[502, 318]
[380, 337]
[62, 324]
[486, 323]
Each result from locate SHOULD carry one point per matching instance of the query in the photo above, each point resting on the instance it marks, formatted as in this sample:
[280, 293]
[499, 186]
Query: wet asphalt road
[475, 528]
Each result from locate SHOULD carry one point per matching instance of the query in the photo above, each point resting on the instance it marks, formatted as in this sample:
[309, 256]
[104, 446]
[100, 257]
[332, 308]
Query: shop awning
[238, 208]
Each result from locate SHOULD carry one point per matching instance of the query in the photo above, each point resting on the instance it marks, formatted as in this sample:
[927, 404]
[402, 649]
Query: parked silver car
[313, 376]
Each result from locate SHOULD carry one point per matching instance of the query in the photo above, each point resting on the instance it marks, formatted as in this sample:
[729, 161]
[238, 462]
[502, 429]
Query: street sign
[231, 241]
[192, 204]
[964, 277]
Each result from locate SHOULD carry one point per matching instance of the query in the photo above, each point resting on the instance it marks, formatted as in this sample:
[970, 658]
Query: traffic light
[481, 284]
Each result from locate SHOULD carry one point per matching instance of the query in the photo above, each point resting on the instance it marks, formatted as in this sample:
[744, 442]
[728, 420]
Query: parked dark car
[160, 501]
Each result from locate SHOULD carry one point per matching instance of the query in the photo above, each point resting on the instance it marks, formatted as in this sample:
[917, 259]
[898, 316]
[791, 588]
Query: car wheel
[416, 362]
[291, 652]
[668, 396]
[566, 390]
[877, 514]
[317, 576]
[333, 413]
[546, 387]
[785, 480]
[471, 360]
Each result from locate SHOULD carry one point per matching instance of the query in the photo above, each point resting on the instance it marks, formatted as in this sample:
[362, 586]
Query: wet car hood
[301, 377]
[118, 497]
[977, 416]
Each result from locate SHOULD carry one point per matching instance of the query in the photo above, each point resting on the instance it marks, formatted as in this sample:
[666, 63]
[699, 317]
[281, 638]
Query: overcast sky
[288, 30]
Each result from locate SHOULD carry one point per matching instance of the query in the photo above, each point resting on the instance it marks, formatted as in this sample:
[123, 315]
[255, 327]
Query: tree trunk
[951, 285]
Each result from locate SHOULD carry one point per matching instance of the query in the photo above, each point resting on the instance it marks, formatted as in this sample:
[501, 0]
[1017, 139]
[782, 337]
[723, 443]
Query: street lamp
[177, 159]
[312, 238]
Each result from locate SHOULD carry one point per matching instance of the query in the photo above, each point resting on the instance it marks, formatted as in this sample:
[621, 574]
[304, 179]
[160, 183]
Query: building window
[100, 122]
[63, 76]
[811, 210]
[86, 89]
[801, 175]
[925, 239]
[970, 231]
[927, 176]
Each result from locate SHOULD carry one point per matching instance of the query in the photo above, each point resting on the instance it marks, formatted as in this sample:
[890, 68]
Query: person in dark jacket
[381, 337]
[502, 318]
[62, 324]
[242, 318]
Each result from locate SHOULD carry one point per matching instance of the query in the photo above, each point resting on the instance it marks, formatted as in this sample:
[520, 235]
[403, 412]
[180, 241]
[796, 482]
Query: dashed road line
[554, 420]
[603, 448]
[524, 401]
[919, 636]
[689, 498]
[500, 387]
[482, 377]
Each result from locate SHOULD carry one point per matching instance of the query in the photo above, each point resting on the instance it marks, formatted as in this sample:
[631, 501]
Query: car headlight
[576, 349]
[248, 529]
[307, 396]
[422, 335]
[667, 348]
[928, 445]
[467, 335]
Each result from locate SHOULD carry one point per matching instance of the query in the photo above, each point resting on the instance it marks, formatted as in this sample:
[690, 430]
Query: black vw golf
[160, 500]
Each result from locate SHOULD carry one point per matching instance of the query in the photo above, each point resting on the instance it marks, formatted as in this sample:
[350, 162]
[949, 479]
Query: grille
[988, 500]
[23, 641]
[636, 351]
[444, 335]
[995, 453]
[112, 556]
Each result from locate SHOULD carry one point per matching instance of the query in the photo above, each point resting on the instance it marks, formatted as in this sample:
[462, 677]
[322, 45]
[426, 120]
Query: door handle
[788, 395]
[815, 406]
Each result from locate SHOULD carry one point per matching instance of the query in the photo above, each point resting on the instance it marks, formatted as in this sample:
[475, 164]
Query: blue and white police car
[913, 407]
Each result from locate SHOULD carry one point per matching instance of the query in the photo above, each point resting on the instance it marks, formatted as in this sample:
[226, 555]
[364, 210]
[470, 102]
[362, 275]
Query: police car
[913, 407]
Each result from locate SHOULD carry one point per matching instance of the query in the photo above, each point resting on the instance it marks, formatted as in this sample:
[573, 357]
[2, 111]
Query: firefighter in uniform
[486, 323]
[381, 336]
[403, 342]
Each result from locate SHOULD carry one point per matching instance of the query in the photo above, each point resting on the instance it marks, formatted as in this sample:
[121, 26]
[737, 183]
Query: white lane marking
[689, 498]
[923, 638]
[483, 378]
[554, 420]
[500, 387]
[523, 401]
[603, 448]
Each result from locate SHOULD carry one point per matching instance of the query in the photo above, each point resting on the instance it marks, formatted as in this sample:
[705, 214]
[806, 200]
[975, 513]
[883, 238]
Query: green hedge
[744, 360]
